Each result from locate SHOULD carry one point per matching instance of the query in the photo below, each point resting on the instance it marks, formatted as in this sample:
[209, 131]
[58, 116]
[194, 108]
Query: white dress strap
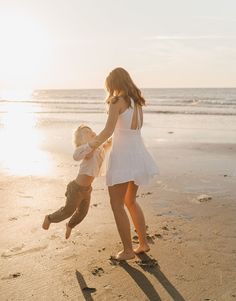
[139, 117]
[136, 111]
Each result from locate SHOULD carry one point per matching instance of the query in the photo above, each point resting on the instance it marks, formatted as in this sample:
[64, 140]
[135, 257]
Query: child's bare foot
[122, 255]
[141, 249]
[68, 231]
[46, 223]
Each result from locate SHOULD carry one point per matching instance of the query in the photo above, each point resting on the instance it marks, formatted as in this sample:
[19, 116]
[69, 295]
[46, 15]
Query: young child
[78, 192]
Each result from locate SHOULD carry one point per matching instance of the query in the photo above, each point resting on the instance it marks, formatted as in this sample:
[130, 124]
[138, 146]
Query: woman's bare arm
[114, 110]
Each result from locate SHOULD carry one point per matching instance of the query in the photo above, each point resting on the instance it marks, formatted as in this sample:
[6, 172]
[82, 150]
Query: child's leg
[79, 214]
[72, 195]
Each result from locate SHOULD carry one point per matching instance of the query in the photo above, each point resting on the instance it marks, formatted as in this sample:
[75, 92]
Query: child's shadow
[150, 265]
[87, 291]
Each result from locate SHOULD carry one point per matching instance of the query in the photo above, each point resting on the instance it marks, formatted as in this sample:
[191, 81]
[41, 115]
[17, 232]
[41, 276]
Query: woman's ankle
[128, 250]
[143, 243]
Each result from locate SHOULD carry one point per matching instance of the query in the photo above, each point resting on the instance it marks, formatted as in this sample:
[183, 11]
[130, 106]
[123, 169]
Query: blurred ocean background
[37, 126]
[206, 101]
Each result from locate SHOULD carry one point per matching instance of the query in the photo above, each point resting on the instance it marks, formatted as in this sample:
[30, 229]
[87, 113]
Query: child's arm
[82, 151]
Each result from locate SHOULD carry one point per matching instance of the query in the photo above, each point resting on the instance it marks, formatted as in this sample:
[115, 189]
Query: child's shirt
[91, 166]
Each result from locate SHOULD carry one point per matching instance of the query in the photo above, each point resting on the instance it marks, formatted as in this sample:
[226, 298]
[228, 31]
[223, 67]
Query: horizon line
[142, 88]
[210, 87]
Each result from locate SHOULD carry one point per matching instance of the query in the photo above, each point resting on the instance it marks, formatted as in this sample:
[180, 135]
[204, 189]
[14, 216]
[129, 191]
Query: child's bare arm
[82, 151]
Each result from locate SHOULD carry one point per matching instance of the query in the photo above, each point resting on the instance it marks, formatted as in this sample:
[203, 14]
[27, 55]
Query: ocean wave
[203, 103]
[75, 102]
[192, 112]
[97, 111]
[159, 101]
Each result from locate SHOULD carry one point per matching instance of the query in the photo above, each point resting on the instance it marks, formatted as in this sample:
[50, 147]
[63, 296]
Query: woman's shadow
[150, 265]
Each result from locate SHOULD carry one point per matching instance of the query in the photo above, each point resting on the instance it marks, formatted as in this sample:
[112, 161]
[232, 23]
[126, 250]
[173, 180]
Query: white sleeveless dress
[129, 159]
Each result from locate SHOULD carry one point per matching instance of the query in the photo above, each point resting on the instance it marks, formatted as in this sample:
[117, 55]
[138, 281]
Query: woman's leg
[137, 217]
[117, 195]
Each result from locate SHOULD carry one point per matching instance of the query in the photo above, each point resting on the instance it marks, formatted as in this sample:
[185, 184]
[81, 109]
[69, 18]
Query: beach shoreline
[193, 244]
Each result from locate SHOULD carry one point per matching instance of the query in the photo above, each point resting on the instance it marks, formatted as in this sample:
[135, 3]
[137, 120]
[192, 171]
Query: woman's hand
[92, 144]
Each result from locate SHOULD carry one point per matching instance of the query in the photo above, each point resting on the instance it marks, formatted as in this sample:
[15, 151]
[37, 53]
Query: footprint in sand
[14, 218]
[203, 198]
[73, 256]
[54, 236]
[17, 248]
[147, 263]
[25, 196]
[143, 195]
[11, 276]
[17, 251]
[97, 271]
[135, 239]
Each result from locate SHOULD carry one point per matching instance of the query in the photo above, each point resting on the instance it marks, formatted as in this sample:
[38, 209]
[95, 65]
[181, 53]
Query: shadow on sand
[150, 265]
[87, 291]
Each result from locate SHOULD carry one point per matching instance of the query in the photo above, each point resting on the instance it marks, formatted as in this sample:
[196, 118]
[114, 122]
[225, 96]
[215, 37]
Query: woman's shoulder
[121, 100]
[118, 101]
[115, 99]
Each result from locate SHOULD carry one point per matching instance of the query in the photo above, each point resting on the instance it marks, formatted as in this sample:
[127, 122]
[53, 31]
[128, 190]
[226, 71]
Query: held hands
[94, 144]
[108, 143]
[100, 139]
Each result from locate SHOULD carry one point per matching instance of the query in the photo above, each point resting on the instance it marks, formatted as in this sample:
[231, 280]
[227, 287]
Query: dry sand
[193, 242]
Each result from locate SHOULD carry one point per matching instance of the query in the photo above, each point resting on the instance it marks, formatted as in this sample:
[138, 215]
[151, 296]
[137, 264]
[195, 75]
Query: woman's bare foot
[141, 249]
[68, 231]
[46, 223]
[122, 255]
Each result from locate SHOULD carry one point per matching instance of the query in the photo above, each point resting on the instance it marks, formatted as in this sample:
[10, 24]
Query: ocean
[205, 101]
[41, 123]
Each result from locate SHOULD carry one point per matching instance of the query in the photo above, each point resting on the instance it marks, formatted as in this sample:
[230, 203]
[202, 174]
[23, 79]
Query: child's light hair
[78, 137]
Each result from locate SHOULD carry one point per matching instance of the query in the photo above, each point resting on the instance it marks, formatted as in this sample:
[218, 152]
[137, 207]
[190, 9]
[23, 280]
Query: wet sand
[190, 212]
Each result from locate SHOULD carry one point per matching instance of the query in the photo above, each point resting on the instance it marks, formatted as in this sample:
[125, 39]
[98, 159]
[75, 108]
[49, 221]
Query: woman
[130, 164]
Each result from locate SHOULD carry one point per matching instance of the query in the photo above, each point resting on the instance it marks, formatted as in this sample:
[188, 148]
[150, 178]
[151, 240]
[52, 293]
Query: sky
[66, 44]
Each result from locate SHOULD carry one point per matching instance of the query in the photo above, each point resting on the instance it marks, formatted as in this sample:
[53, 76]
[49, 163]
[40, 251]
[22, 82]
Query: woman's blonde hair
[78, 137]
[120, 82]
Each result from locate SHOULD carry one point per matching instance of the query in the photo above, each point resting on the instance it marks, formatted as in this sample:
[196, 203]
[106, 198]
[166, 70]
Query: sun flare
[20, 151]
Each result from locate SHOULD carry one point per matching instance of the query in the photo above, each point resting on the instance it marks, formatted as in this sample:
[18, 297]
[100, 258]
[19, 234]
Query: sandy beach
[166, 69]
[190, 213]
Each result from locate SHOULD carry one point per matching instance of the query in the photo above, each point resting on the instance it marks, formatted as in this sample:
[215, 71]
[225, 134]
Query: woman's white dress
[129, 159]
